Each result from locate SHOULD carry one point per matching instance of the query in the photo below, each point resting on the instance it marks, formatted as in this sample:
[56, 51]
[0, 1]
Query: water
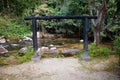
[60, 43]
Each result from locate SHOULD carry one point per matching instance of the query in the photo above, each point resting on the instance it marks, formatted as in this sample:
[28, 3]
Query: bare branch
[110, 23]
[109, 35]
[91, 13]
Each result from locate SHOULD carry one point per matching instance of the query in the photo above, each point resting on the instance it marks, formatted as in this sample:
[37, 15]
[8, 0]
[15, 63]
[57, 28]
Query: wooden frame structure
[34, 29]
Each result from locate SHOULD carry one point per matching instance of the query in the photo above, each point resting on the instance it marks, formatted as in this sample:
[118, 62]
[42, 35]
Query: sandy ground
[58, 69]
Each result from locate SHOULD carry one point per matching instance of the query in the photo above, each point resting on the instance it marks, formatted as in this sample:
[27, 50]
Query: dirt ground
[60, 69]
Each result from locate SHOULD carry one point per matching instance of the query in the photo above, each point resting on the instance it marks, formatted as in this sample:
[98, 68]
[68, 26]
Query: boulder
[64, 51]
[6, 46]
[47, 50]
[2, 39]
[3, 50]
[81, 40]
[69, 52]
[15, 46]
[52, 47]
[26, 40]
[23, 51]
[43, 49]
[10, 46]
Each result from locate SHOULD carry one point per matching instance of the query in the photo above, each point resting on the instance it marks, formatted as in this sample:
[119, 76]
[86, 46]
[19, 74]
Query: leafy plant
[1, 60]
[10, 29]
[117, 45]
[26, 57]
[98, 51]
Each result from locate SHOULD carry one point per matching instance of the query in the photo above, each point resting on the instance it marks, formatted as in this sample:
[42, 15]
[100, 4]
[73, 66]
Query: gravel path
[57, 69]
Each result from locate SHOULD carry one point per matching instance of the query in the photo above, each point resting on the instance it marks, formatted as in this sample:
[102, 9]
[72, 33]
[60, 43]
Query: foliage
[117, 45]
[61, 7]
[22, 8]
[17, 7]
[26, 57]
[98, 51]
[1, 61]
[10, 28]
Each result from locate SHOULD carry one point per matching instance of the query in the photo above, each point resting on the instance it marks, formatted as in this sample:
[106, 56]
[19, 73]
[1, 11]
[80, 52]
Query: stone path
[58, 69]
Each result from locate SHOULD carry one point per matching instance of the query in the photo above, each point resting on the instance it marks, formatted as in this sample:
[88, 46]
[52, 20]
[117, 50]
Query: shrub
[1, 61]
[11, 28]
[26, 57]
[117, 45]
[97, 51]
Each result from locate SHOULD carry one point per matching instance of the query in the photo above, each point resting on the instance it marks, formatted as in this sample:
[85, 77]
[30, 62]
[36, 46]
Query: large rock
[6, 46]
[43, 50]
[50, 49]
[2, 39]
[26, 40]
[15, 46]
[70, 51]
[10, 46]
[23, 51]
[3, 50]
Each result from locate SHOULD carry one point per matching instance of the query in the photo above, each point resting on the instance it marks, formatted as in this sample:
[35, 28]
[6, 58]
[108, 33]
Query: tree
[17, 7]
[100, 8]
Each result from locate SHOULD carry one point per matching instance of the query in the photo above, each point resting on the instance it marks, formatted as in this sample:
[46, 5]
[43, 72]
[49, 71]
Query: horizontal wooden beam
[58, 17]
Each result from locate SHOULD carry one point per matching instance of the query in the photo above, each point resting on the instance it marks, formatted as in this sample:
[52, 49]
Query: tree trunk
[100, 10]
[97, 35]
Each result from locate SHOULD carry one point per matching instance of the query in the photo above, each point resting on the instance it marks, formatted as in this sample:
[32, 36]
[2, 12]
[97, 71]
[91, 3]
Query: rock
[23, 51]
[54, 51]
[52, 47]
[70, 51]
[26, 40]
[40, 35]
[59, 35]
[11, 46]
[2, 39]
[3, 50]
[43, 49]
[47, 50]
[15, 46]
[81, 40]
[6, 46]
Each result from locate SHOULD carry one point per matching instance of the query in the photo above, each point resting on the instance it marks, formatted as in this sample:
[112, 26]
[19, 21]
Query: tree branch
[91, 13]
[109, 35]
[105, 27]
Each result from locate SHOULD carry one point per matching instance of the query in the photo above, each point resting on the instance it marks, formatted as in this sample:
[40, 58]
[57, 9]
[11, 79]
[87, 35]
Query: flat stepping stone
[70, 51]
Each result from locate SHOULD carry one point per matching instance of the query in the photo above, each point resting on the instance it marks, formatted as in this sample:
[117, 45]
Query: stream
[59, 43]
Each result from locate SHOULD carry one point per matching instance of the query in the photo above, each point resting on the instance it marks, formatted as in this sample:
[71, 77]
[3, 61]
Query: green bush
[97, 51]
[1, 60]
[117, 45]
[26, 57]
[9, 27]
